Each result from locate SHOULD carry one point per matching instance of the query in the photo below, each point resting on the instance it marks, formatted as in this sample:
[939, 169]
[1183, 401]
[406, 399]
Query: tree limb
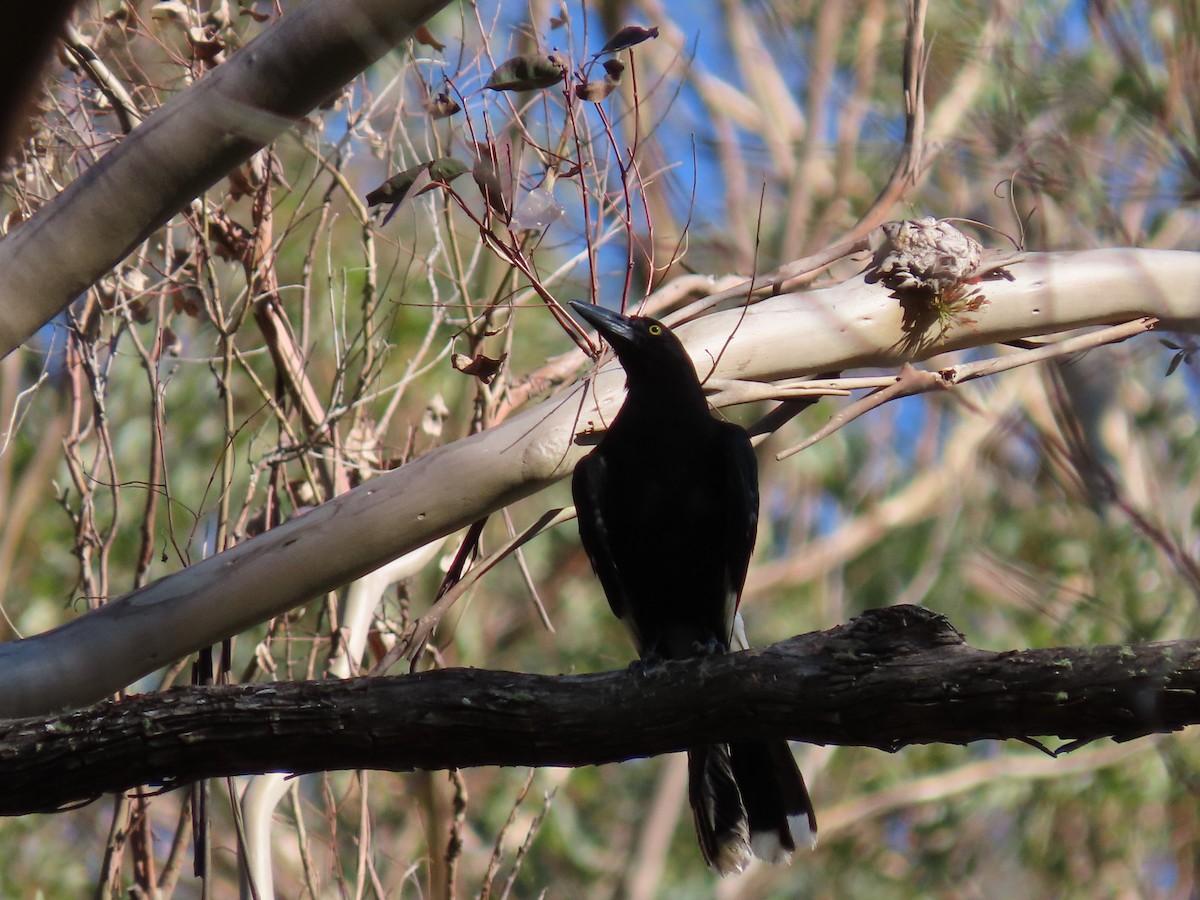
[891, 677]
[849, 325]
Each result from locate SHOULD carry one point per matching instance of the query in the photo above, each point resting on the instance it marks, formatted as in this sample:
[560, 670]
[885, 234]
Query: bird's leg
[648, 664]
[712, 647]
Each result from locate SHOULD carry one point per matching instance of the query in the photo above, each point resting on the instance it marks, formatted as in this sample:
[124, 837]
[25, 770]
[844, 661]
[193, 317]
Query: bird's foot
[648, 665]
[711, 647]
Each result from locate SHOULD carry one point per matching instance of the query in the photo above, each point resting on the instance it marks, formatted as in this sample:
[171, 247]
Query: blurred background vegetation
[156, 422]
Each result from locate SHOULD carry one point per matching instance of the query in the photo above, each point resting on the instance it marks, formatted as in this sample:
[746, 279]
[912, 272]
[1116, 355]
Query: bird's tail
[749, 799]
[721, 823]
[779, 812]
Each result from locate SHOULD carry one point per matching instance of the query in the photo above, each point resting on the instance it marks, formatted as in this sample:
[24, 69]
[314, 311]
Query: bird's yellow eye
[655, 330]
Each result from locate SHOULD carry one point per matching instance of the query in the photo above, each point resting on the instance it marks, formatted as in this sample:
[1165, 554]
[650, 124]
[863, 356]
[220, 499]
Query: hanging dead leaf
[361, 449]
[485, 177]
[205, 47]
[436, 413]
[482, 367]
[443, 106]
[561, 19]
[171, 10]
[629, 36]
[171, 343]
[613, 69]
[526, 73]
[186, 300]
[424, 36]
[595, 91]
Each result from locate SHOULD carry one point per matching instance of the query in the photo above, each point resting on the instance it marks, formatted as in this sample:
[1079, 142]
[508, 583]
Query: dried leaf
[561, 19]
[446, 168]
[443, 106]
[171, 10]
[613, 69]
[435, 416]
[186, 300]
[395, 188]
[219, 15]
[629, 36]
[595, 91]
[485, 177]
[424, 36]
[480, 366]
[134, 281]
[171, 342]
[442, 171]
[361, 449]
[526, 73]
[205, 47]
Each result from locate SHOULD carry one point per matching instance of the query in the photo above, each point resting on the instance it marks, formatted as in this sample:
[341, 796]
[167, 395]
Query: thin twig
[912, 381]
[417, 635]
[523, 851]
[493, 865]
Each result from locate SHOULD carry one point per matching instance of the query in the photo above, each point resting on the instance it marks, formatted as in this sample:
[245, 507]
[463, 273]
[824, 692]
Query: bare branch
[892, 677]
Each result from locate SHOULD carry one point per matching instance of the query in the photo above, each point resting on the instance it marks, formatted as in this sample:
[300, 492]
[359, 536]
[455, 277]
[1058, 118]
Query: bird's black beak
[613, 327]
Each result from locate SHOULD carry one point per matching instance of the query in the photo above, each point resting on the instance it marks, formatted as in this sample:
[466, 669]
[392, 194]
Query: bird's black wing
[741, 505]
[588, 490]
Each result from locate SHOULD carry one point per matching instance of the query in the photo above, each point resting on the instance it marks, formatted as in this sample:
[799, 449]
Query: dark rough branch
[889, 678]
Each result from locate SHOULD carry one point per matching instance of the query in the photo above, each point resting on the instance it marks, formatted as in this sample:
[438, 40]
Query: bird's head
[647, 349]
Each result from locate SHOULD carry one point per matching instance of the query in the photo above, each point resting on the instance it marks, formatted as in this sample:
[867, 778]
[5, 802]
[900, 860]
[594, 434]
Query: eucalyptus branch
[847, 326]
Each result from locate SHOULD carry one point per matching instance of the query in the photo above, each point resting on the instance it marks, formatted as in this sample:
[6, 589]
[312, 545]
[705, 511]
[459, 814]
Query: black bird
[668, 507]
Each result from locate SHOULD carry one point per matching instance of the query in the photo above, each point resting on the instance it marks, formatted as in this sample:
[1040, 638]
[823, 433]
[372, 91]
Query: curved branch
[892, 677]
[849, 325]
